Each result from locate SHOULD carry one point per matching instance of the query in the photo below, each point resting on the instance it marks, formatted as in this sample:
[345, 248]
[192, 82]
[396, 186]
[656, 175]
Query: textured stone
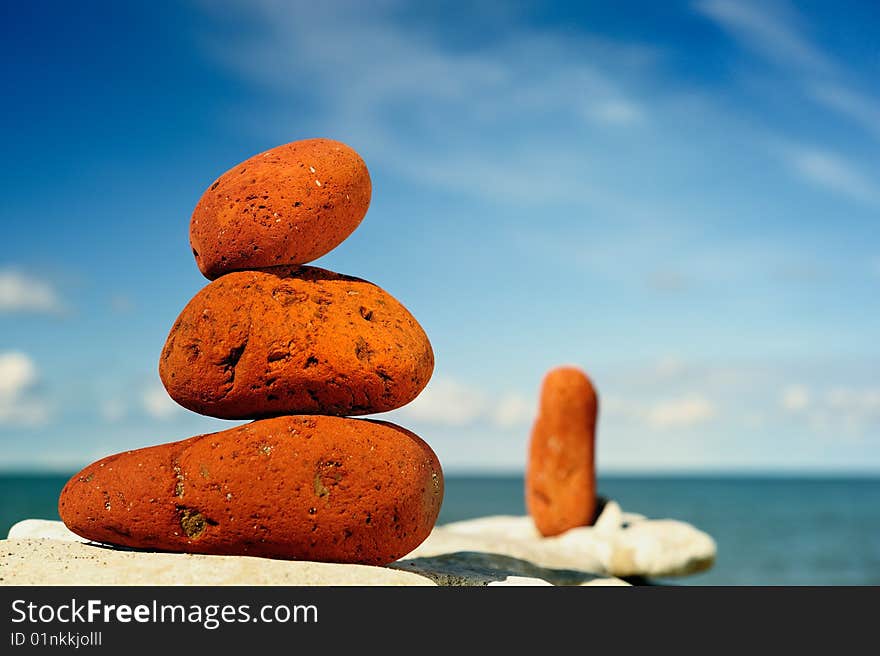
[300, 487]
[288, 205]
[561, 472]
[289, 341]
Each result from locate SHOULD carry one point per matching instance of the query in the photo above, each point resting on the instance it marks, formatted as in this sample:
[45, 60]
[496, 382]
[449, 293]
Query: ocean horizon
[771, 528]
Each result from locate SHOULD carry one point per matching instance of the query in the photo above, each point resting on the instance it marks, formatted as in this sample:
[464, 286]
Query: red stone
[288, 205]
[298, 487]
[290, 340]
[561, 473]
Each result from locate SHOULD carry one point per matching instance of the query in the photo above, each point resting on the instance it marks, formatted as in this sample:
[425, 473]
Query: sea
[770, 530]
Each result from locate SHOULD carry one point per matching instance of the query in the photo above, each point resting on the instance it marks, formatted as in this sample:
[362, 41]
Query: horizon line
[615, 472]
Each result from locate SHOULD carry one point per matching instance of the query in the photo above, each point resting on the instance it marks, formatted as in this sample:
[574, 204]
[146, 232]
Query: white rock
[61, 562]
[42, 528]
[611, 518]
[661, 547]
[483, 551]
[619, 544]
[520, 581]
[56, 558]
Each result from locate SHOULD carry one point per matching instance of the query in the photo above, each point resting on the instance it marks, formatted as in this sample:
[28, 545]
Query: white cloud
[447, 402]
[18, 375]
[777, 36]
[667, 281]
[157, 403]
[670, 366]
[121, 304]
[617, 112]
[617, 406]
[755, 420]
[860, 402]
[513, 410]
[23, 293]
[857, 106]
[833, 173]
[113, 410]
[839, 410]
[522, 80]
[795, 398]
[835, 399]
[681, 412]
[771, 35]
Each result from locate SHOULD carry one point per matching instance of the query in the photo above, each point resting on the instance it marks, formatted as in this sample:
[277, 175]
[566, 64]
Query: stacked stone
[299, 350]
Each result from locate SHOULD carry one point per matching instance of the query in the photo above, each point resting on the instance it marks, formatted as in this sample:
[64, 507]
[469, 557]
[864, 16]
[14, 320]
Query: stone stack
[297, 349]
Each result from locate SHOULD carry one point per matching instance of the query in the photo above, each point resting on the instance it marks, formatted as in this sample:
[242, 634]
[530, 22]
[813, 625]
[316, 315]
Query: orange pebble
[288, 340]
[561, 473]
[288, 205]
[300, 487]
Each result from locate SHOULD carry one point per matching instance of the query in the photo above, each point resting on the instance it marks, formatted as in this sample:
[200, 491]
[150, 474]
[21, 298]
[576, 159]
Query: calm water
[770, 531]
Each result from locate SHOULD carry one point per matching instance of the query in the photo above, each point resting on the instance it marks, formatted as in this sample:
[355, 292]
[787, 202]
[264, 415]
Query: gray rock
[472, 568]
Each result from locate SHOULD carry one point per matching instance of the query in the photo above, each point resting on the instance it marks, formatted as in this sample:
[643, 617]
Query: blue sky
[680, 197]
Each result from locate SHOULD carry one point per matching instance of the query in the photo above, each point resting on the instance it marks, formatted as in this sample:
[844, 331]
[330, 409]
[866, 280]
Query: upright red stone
[561, 473]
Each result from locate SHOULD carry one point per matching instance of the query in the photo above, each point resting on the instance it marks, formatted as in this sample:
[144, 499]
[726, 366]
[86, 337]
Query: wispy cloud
[667, 281]
[21, 292]
[773, 30]
[836, 410]
[18, 405]
[449, 402]
[121, 304]
[795, 398]
[157, 404]
[113, 410]
[834, 173]
[513, 410]
[687, 411]
[771, 34]
[677, 412]
[863, 401]
[617, 112]
[504, 120]
[861, 108]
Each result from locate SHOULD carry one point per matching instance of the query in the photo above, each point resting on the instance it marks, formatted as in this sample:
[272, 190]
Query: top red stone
[289, 205]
